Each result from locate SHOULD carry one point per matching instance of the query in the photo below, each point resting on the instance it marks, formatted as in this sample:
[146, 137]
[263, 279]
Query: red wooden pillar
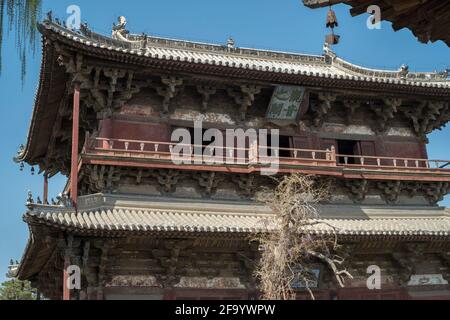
[106, 131]
[75, 143]
[66, 289]
[45, 195]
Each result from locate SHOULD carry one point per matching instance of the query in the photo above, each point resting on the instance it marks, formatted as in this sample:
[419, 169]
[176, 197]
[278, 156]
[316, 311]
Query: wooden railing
[391, 162]
[161, 150]
[257, 154]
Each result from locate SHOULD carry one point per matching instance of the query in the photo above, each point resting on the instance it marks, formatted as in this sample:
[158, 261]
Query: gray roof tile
[253, 59]
[187, 221]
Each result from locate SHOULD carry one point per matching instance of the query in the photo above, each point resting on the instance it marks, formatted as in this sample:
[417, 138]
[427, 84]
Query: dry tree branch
[332, 262]
[288, 252]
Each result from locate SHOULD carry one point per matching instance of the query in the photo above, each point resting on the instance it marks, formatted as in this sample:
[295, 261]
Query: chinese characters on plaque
[287, 103]
[312, 282]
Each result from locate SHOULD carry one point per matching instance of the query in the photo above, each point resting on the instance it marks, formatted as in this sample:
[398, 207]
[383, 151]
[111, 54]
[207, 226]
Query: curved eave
[35, 256]
[124, 223]
[23, 272]
[135, 57]
[51, 88]
[201, 220]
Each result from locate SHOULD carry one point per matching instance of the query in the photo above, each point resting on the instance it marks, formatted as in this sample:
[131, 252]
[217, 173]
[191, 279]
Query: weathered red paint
[75, 143]
[66, 289]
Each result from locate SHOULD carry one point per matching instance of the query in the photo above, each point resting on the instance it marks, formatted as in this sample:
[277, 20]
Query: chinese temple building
[140, 226]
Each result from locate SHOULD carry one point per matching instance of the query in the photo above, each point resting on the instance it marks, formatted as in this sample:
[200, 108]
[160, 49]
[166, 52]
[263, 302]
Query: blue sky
[279, 25]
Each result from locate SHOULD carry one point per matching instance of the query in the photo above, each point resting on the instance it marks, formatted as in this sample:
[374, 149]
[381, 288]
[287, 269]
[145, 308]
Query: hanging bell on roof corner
[332, 39]
[331, 19]
[32, 171]
[332, 22]
[21, 166]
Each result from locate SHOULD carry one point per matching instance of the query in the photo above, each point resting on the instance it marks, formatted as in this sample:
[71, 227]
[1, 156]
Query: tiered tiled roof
[113, 215]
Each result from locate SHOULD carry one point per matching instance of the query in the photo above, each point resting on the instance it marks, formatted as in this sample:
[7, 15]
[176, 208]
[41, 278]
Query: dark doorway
[284, 142]
[350, 148]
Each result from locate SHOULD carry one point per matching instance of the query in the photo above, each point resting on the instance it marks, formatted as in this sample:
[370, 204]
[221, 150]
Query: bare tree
[287, 252]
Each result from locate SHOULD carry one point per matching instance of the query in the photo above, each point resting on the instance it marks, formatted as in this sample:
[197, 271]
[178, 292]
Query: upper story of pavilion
[334, 118]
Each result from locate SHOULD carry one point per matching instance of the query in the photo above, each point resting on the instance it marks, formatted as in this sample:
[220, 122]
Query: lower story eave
[240, 236]
[122, 215]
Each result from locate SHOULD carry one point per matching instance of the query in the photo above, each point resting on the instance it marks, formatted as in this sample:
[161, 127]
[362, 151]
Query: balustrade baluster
[142, 145]
[313, 155]
[127, 144]
[333, 153]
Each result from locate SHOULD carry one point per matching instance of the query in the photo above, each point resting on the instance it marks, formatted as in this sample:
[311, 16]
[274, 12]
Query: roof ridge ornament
[19, 154]
[30, 201]
[63, 199]
[328, 53]
[231, 44]
[12, 269]
[119, 31]
[144, 41]
[403, 71]
[50, 16]
[84, 29]
[445, 74]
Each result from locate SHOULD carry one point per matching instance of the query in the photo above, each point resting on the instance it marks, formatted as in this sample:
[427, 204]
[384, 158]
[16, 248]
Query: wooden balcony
[159, 155]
